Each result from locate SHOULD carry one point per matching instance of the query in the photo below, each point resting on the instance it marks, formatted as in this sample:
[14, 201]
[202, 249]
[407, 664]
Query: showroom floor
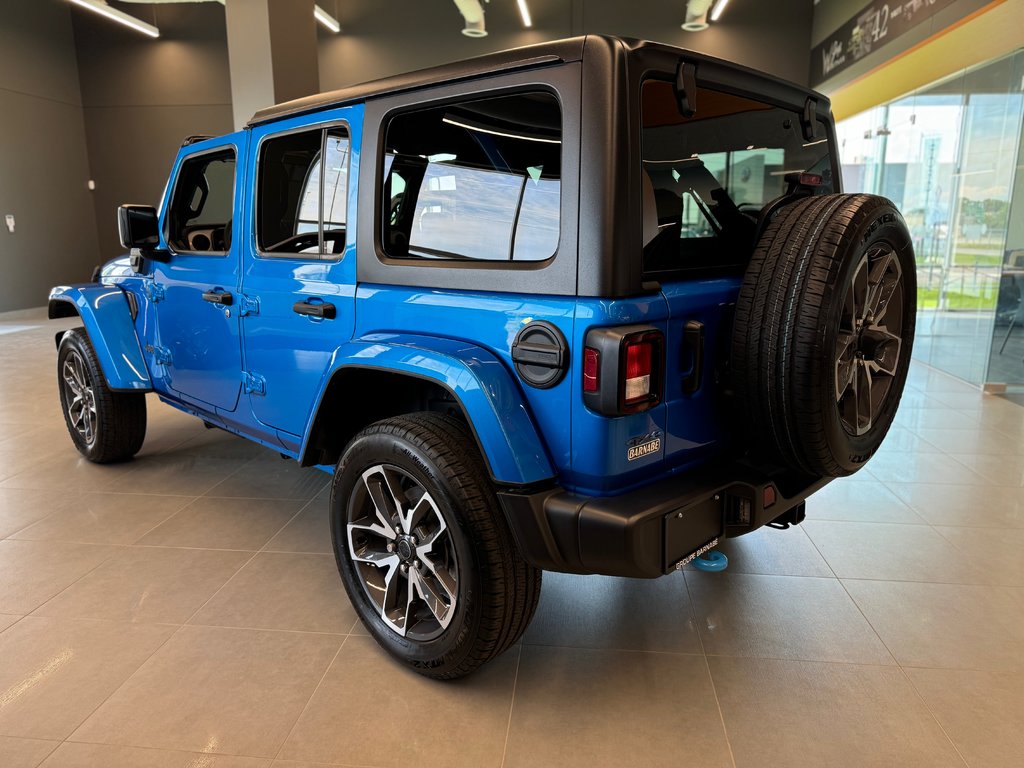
[185, 606]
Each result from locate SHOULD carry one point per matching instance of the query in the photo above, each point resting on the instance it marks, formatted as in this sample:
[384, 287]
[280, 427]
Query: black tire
[496, 590]
[809, 317]
[105, 426]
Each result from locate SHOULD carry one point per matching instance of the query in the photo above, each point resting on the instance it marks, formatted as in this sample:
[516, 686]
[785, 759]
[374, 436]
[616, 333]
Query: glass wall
[947, 155]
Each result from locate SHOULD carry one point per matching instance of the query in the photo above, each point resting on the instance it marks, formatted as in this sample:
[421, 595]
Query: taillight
[623, 369]
[638, 370]
[591, 370]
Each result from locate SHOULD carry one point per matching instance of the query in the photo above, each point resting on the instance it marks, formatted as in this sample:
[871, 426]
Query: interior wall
[142, 97]
[43, 165]
[773, 37]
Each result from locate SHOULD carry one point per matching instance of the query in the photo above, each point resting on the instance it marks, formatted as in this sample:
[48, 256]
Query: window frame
[320, 256]
[554, 276]
[443, 256]
[182, 161]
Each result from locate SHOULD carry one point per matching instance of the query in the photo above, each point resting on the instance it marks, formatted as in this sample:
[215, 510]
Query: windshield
[708, 177]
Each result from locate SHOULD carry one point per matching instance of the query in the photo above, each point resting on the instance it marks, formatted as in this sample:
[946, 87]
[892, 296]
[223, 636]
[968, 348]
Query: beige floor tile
[982, 712]
[608, 612]
[600, 708]
[945, 625]
[215, 523]
[21, 508]
[403, 712]
[860, 499]
[7, 620]
[981, 440]
[916, 419]
[178, 472]
[800, 713]
[76, 474]
[922, 468]
[1000, 470]
[998, 552]
[219, 444]
[14, 462]
[104, 518]
[228, 691]
[785, 617]
[893, 553]
[989, 507]
[900, 440]
[304, 764]
[283, 591]
[148, 584]
[24, 753]
[76, 755]
[309, 532]
[31, 572]
[55, 672]
[769, 551]
[268, 476]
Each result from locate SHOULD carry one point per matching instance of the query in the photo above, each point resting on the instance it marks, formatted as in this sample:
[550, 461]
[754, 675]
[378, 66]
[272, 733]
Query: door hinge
[153, 291]
[253, 383]
[248, 305]
[161, 355]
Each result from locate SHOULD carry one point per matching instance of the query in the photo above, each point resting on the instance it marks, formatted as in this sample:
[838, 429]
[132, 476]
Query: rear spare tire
[823, 332]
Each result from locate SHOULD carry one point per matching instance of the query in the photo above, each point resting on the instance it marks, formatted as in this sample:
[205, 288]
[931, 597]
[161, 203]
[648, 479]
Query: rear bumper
[646, 532]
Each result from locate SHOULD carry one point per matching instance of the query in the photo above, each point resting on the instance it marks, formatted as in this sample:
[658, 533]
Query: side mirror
[138, 227]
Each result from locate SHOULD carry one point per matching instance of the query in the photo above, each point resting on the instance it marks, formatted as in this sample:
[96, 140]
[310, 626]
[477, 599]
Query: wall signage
[876, 24]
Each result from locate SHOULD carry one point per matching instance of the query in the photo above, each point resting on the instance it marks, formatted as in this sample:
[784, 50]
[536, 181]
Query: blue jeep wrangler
[588, 306]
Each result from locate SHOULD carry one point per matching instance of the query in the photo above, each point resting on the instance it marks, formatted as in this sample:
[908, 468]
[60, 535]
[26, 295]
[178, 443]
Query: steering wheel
[296, 243]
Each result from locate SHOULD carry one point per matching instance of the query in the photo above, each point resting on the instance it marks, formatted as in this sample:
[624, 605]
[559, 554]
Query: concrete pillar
[272, 53]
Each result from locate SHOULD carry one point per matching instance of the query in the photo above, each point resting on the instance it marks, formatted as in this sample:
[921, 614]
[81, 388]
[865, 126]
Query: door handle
[218, 297]
[323, 310]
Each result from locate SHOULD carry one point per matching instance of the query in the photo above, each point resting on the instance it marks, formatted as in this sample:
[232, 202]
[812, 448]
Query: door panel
[198, 328]
[305, 299]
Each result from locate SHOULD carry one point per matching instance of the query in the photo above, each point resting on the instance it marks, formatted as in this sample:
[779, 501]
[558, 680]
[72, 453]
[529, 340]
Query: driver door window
[200, 212]
[301, 201]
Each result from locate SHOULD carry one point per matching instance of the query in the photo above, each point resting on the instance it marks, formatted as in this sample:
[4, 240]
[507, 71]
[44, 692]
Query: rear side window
[301, 200]
[201, 208]
[476, 180]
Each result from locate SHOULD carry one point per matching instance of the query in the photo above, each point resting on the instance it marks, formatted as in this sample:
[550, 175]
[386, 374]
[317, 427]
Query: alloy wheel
[403, 552]
[869, 343]
[79, 397]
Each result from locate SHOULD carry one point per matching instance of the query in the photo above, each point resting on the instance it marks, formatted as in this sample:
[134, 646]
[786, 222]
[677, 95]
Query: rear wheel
[423, 549]
[823, 332]
[105, 426]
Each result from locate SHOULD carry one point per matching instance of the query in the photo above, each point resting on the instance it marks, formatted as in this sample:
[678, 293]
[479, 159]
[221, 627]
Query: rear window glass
[477, 180]
[709, 176]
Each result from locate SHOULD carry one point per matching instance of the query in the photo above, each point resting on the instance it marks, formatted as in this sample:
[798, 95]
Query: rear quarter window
[477, 180]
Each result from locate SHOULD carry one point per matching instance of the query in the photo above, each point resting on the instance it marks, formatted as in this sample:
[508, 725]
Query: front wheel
[105, 426]
[423, 549]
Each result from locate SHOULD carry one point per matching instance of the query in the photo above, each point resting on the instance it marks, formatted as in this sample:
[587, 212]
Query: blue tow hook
[715, 562]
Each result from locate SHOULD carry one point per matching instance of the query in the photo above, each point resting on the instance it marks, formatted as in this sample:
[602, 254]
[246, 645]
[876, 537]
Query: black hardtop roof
[540, 54]
[569, 49]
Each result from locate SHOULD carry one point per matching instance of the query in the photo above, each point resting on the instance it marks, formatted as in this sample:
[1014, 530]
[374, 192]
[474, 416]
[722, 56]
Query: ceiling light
[696, 15]
[473, 14]
[717, 10]
[326, 19]
[525, 13]
[119, 16]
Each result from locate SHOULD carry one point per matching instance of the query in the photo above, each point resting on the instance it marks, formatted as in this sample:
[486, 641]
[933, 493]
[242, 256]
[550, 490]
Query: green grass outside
[928, 298]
